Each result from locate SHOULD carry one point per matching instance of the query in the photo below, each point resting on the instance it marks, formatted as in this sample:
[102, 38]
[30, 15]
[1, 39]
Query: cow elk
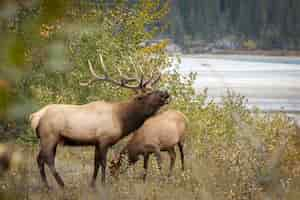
[161, 132]
[9, 158]
[100, 124]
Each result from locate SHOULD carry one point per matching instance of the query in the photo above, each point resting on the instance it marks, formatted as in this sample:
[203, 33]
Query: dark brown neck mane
[132, 115]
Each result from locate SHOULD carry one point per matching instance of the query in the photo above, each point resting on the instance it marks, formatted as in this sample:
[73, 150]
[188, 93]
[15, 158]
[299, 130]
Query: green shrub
[250, 44]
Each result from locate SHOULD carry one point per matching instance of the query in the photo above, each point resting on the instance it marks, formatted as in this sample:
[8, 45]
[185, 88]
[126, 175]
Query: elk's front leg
[103, 156]
[158, 157]
[180, 145]
[146, 159]
[96, 165]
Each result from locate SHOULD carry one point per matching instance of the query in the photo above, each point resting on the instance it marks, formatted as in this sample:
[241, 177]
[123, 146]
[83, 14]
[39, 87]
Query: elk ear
[114, 157]
[139, 97]
[142, 95]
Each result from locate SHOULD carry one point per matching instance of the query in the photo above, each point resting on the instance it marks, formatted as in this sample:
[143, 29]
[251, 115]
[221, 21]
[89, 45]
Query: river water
[270, 83]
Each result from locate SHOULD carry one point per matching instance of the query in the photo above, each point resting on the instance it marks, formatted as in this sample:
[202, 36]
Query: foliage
[249, 44]
[55, 45]
[236, 153]
[245, 155]
[116, 34]
[231, 152]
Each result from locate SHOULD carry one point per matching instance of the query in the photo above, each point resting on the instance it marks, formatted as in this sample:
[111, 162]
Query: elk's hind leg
[96, 165]
[47, 155]
[51, 163]
[180, 145]
[41, 164]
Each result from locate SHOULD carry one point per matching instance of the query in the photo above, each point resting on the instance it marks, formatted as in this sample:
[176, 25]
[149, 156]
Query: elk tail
[34, 123]
[37, 131]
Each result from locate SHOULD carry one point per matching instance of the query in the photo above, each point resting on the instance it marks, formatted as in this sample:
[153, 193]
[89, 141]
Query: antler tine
[103, 66]
[135, 69]
[144, 84]
[96, 76]
[87, 83]
[149, 80]
[125, 78]
[141, 84]
[141, 79]
[156, 80]
[142, 75]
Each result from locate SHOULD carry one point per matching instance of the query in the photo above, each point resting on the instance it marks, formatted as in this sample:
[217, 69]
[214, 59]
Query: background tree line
[271, 23]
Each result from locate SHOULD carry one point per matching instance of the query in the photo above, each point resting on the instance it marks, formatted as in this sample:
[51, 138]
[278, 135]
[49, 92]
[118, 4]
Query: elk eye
[140, 98]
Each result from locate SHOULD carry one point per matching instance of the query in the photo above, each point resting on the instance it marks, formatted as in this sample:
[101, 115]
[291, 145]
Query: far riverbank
[270, 83]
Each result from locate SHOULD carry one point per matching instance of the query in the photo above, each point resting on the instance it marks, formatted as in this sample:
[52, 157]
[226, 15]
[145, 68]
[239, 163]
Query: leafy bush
[246, 155]
[54, 47]
[232, 152]
[250, 44]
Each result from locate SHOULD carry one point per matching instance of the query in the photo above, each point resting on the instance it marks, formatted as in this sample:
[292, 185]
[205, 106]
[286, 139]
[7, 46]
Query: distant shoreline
[270, 83]
[246, 56]
[271, 53]
[259, 52]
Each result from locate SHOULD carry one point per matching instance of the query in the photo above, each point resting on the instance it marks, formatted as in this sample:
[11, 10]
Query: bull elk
[161, 132]
[100, 124]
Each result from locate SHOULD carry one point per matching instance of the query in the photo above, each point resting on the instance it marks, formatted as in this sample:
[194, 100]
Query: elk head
[9, 158]
[115, 164]
[118, 160]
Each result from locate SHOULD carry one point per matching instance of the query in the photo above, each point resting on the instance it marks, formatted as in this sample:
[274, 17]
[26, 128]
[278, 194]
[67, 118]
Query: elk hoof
[93, 184]
[48, 188]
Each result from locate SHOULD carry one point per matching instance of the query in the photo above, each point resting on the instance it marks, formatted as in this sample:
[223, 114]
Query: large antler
[142, 85]
[146, 84]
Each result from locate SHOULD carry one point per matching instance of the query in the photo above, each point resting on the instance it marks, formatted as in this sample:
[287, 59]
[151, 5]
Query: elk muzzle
[165, 96]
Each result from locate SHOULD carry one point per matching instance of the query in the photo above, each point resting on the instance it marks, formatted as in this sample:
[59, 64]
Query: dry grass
[76, 165]
[228, 156]
[217, 172]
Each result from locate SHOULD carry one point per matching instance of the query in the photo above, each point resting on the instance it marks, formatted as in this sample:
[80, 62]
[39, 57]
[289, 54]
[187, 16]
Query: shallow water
[270, 83]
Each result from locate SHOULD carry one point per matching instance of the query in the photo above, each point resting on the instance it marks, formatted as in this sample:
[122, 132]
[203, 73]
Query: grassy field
[208, 175]
[75, 164]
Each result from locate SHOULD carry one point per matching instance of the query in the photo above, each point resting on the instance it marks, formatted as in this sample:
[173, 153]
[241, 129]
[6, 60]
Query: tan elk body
[98, 123]
[94, 121]
[297, 136]
[161, 132]
[297, 125]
